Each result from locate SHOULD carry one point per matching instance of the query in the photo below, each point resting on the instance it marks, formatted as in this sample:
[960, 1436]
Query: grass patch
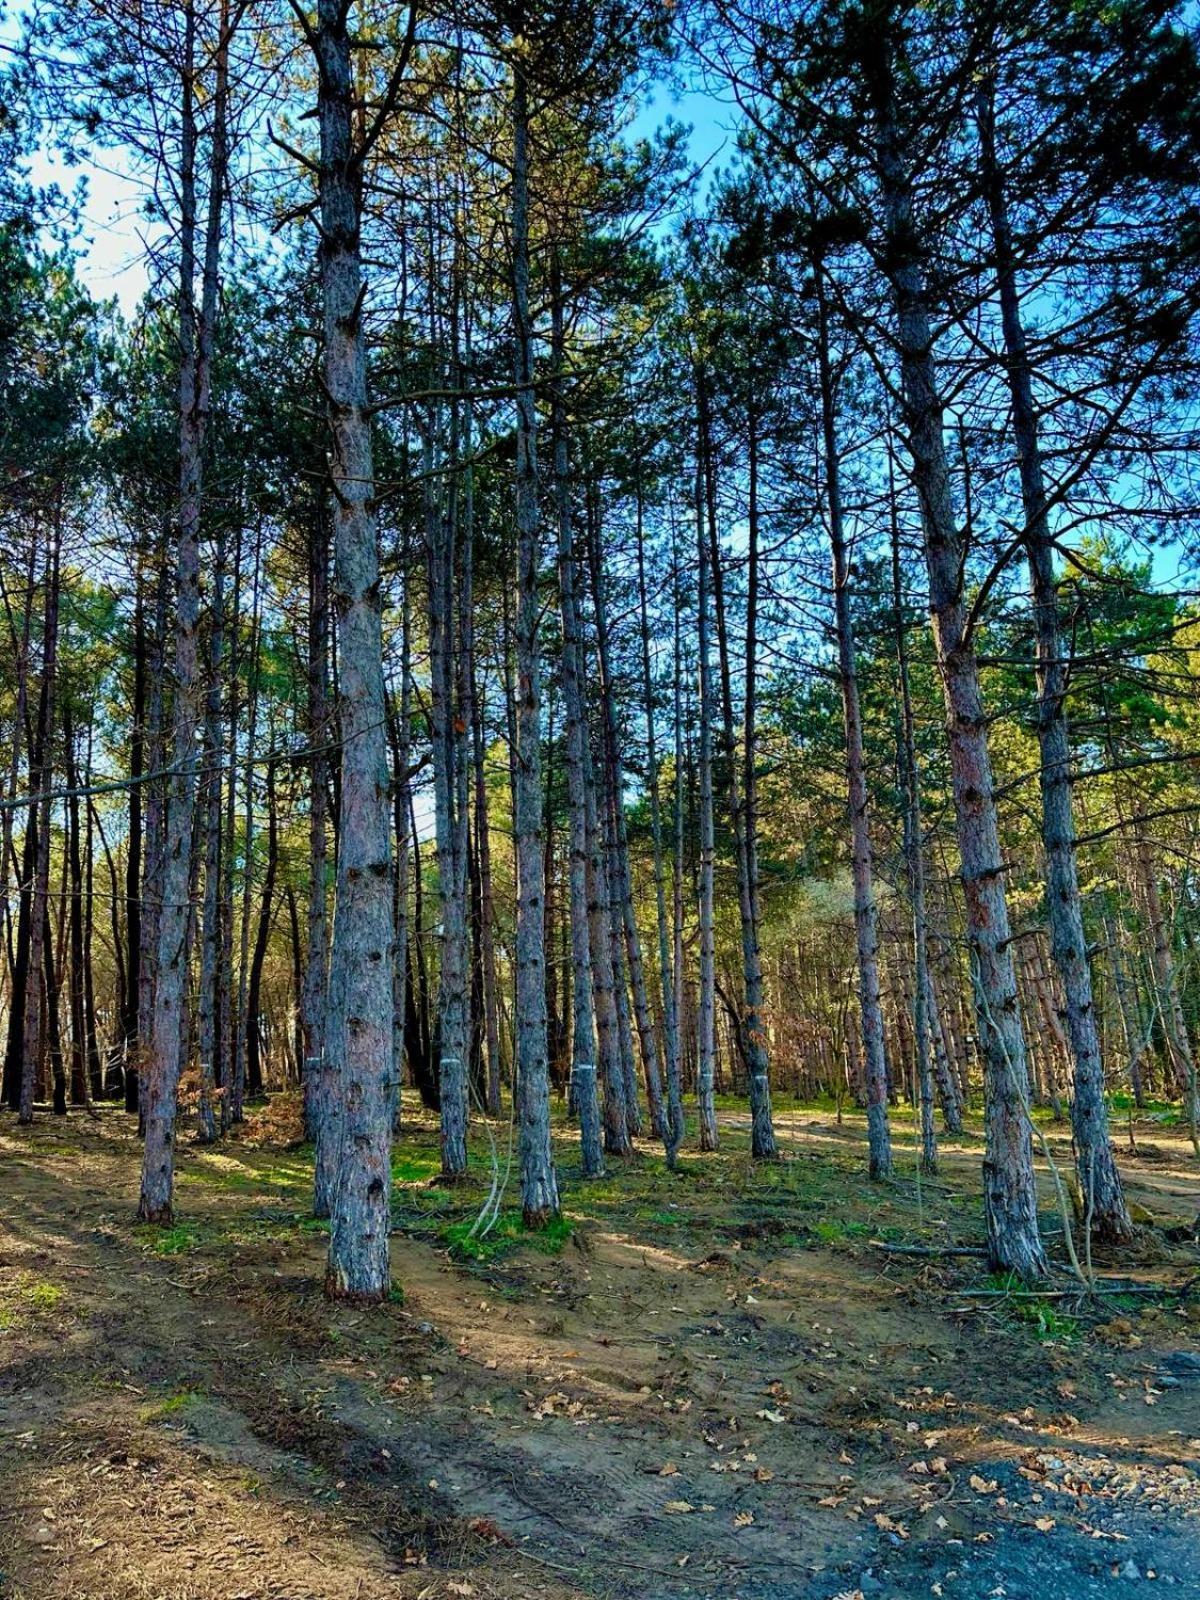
[1042, 1318]
[176, 1240]
[27, 1300]
[169, 1406]
[507, 1235]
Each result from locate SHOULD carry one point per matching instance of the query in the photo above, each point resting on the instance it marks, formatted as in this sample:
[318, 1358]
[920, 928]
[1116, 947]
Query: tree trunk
[539, 1185]
[41, 774]
[358, 1040]
[1100, 1181]
[706, 1020]
[584, 1090]
[673, 1126]
[212, 813]
[1010, 1191]
[196, 339]
[866, 921]
[647, 1036]
[320, 736]
[751, 1025]
[255, 1082]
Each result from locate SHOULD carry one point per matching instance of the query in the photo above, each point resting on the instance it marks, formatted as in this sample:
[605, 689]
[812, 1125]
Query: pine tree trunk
[41, 775]
[751, 1027]
[358, 1040]
[320, 736]
[255, 1082]
[1099, 1179]
[487, 909]
[153, 838]
[647, 1037]
[866, 921]
[160, 1090]
[584, 1089]
[539, 1184]
[212, 813]
[706, 1019]
[441, 538]
[1010, 1191]
[673, 1124]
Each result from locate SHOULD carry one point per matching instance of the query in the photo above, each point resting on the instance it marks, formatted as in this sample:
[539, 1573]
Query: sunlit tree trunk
[539, 1184]
[866, 921]
[358, 1038]
[1100, 1181]
[584, 1088]
[706, 1020]
[196, 337]
[1010, 1192]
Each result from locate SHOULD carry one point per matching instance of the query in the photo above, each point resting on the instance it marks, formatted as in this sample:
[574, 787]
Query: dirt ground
[732, 1382]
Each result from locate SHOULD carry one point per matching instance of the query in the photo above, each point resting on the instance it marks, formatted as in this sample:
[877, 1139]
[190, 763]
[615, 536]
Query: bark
[358, 1038]
[751, 1026]
[1010, 1193]
[1100, 1181]
[1131, 1030]
[539, 1184]
[584, 1090]
[930, 1050]
[154, 860]
[196, 337]
[604, 996]
[133, 853]
[41, 776]
[400, 726]
[77, 994]
[253, 1021]
[441, 540]
[1166, 979]
[673, 1128]
[320, 733]
[212, 814]
[866, 920]
[487, 910]
[235, 1098]
[18, 958]
[647, 1034]
[706, 1019]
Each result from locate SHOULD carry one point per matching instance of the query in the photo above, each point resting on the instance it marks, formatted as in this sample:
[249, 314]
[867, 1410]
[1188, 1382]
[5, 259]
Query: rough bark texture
[316, 960]
[160, 1088]
[623, 887]
[584, 1088]
[41, 773]
[706, 1020]
[441, 531]
[751, 1023]
[673, 1127]
[212, 813]
[359, 1024]
[1010, 1193]
[866, 921]
[539, 1184]
[1099, 1179]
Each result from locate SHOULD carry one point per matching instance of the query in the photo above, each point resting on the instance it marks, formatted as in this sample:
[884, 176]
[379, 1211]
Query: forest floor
[718, 1383]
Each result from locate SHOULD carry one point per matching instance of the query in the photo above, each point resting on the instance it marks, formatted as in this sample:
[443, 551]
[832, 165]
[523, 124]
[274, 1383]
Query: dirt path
[727, 1391]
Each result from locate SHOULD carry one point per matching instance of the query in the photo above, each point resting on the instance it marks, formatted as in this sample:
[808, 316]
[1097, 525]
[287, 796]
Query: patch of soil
[720, 1387]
